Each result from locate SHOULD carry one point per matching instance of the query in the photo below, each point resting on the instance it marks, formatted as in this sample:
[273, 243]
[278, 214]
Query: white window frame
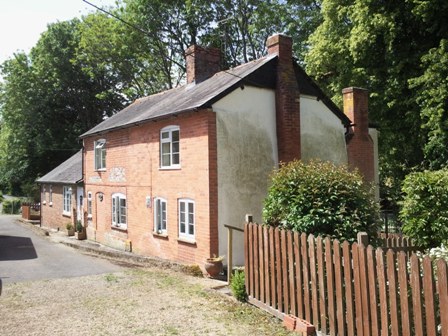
[99, 147]
[44, 191]
[166, 138]
[89, 204]
[119, 212]
[50, 196]
[160, 215]
[67, 200]
[187, 219]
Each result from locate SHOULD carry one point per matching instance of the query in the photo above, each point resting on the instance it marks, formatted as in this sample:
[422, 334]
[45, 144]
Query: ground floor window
[119, 211]
[160, 215]
[186, 219]
[89, 204]
[67, 194]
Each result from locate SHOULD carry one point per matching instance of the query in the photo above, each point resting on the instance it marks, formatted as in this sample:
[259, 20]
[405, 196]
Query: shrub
[12, 206]
[238, 285]
[321, 198]
[424, 209]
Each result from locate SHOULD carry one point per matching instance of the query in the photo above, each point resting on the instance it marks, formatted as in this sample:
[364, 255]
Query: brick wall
[132, 168]
[52, 213]
[287, 98]
[360, 146]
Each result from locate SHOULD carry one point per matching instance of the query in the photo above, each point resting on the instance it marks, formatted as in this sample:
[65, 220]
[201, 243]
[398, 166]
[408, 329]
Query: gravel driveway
[136, 301]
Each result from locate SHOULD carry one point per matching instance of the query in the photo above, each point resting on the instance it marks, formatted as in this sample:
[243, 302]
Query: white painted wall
[322, 132]
[373, 132]
[247, 154]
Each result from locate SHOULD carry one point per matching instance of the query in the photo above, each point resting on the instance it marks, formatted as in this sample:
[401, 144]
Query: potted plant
[213, 265]
[80, 233]
[70, 229]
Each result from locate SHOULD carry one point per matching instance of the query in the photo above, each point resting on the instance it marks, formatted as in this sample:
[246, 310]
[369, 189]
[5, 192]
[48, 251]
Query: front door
[79, 203]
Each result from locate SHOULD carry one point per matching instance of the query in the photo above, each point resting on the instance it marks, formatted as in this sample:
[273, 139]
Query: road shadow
[16, 248]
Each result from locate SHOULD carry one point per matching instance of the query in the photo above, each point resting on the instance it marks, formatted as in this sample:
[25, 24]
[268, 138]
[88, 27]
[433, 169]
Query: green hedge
[424, 209]
[12, 206]
[321, 198]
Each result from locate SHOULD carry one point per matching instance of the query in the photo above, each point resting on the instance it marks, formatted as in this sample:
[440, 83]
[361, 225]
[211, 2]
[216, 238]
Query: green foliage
[432, 98]
[424, 210]
[238, 286]
[79, 227]
[398, 53]
[320, 198]
[12, 206]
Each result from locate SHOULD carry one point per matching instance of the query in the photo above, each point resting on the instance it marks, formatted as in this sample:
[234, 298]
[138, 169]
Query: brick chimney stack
[287, 99]
[202, 63]
[360, 147]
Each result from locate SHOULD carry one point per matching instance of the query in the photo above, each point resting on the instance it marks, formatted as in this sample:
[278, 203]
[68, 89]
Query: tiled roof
[69, 171]
[260, 72]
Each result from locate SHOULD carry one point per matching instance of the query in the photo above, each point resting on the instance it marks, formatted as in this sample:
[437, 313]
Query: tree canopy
[86, 69]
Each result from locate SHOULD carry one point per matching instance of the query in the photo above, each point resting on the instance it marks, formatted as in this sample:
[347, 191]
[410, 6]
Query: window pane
[166, 148]
[175, 147]
[176, 159]
[191, 208]
[166, 160]
[182, 227]
[166, 135]
[175, 136]
[191, 229]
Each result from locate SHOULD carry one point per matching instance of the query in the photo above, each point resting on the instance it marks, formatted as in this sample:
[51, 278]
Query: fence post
[363, 239]
[229, 254]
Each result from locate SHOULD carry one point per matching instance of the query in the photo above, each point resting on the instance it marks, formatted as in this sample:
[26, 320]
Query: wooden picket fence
[345, 289]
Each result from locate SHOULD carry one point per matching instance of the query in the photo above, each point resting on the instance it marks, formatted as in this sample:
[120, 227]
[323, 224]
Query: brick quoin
[360, 147]
[287, 99]
[136, 151]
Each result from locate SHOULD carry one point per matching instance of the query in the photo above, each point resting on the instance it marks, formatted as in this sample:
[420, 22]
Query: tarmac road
[27, 256]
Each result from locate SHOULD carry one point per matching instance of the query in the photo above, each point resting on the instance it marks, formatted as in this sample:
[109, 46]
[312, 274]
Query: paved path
[25, 255]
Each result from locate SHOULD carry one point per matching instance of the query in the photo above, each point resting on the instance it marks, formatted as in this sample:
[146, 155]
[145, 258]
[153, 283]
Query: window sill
[186, 240]
[170, 168]
[100, 170]
[50, 204]
[66, 214]
[120, 228]
[163, 235]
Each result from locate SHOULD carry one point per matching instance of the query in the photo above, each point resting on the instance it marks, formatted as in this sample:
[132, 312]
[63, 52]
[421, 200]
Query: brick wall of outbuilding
[52, 213]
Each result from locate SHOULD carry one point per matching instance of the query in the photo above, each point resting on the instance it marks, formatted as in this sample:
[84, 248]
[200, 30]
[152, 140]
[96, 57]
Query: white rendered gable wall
[247, 153]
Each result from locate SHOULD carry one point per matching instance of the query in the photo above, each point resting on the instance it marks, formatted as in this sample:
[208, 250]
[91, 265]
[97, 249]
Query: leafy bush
[321, 198]
[238, 285]
[12, 206]
[424, 209]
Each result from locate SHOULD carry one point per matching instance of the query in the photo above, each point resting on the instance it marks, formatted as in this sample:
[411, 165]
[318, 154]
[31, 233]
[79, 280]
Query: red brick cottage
[169, 171]
[62, 194]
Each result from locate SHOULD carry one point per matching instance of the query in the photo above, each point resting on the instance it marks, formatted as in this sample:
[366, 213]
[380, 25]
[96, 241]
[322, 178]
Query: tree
[47, 101]
[380, 46]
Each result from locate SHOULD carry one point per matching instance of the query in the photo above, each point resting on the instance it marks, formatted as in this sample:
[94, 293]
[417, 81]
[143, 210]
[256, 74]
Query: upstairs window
[169, 147]
[67, 194]
[100, 154]
[119, 211]
[50, 196]
[160, 215]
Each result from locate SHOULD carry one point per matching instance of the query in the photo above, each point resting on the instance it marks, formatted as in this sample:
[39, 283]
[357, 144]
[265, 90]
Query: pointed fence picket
[346, 289]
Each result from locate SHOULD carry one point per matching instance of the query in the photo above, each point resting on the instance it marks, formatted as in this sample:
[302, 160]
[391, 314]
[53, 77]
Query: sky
[22, 21]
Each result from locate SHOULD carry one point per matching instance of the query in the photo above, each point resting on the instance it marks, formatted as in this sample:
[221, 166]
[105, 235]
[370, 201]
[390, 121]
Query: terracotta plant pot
[213, 267]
